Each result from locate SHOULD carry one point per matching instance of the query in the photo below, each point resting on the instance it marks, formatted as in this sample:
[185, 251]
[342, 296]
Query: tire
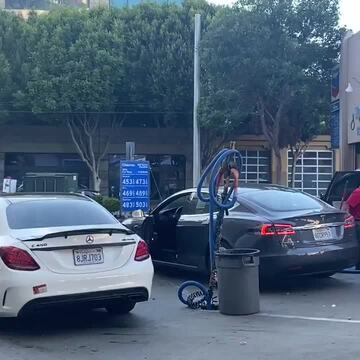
[120, 307]
[183, 296]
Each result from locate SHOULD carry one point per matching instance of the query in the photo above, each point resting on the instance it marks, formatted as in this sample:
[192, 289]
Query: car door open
[163, 245]
[192, 234]
[341, 186]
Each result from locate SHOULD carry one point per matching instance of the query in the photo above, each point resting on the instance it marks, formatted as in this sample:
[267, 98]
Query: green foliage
[136, 58]
[75, 73]
[75, 62]
[109, 203]
[81, 67]
[12, 55]
[271, 59]
[265, 64]
[159, 57]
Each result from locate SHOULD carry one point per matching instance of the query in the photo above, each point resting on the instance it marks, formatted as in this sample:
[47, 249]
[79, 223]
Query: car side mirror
[137, 214]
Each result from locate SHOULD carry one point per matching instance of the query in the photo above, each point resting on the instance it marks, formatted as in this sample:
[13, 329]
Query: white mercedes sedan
[67, 250]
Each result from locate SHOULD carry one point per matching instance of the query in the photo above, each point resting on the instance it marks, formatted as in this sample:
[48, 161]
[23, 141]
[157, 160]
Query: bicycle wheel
[193, 294]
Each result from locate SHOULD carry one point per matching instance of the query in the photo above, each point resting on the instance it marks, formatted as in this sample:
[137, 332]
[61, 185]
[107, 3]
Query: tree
[259, 55]
[5, 81]
[11, 60]
[75, 73]
[159, 56]
[306, 117]
[132, 63]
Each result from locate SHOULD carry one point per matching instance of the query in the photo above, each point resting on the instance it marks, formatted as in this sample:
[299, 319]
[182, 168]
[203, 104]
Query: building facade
[24, 7]
[349, 103]
[49, 150]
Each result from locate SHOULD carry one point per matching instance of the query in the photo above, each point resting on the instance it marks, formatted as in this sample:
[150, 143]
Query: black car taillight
[349, 222]
[277, 229]
[18, 259]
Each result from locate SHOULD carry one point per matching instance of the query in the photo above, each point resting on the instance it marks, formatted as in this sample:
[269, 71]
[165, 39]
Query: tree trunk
[270, 124]
[83, 133]
[296, 153]
[293, 165]
[278, 167]
[96, 181]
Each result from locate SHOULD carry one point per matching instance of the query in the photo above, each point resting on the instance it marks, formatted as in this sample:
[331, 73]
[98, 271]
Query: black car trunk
[318, 229]
[312, 220]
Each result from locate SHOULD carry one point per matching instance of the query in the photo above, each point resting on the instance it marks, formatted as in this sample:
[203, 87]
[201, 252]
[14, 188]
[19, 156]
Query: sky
[349, 9]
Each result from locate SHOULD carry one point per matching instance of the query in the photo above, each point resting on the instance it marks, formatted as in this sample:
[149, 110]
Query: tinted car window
[176, 203]
[56, 213]
[200, 206]
[242, 208]
[189, 203]
[282, 200]
[344, 188]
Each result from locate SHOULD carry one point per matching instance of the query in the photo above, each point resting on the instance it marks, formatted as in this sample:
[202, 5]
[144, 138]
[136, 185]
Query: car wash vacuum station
[233, 272]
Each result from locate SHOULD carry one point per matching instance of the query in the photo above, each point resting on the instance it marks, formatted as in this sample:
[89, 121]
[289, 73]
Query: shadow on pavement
[69, 321]
[293, 284]
[305, 283]
[82, 321]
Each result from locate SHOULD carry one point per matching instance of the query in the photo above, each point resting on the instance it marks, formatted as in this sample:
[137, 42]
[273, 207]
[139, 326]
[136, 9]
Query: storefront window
[256, 166]
[313, 171]
[17, 165]
[167, 175]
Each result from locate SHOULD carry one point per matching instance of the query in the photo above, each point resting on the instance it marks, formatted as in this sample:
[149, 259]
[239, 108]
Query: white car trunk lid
[82, 250]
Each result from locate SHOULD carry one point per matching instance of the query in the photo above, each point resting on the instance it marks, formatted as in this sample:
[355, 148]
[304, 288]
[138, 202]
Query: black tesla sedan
[296, 233]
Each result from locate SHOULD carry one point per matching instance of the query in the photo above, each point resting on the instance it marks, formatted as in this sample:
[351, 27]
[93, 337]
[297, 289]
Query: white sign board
[9, 185]
[354, 125]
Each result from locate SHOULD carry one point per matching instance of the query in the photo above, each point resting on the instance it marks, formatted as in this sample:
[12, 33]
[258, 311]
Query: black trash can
[238, 281]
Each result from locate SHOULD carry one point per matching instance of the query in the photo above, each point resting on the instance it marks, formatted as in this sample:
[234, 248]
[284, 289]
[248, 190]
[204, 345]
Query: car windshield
[282, 200]
[56, 213]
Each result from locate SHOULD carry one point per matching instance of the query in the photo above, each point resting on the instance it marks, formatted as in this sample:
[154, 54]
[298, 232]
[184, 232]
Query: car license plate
[88, 256]
[322, 234]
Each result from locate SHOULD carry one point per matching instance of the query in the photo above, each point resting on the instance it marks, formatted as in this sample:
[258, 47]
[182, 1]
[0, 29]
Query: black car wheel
[120, 307]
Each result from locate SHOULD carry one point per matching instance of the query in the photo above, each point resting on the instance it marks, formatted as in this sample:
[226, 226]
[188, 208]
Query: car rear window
[282, 200]
[56, 213]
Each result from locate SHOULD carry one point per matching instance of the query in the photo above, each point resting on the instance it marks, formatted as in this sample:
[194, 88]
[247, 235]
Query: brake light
[277, 229]
[142, 251]
[18, 259]
[349, 222]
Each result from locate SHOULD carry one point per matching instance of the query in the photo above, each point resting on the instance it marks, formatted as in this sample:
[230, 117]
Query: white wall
[349, 69]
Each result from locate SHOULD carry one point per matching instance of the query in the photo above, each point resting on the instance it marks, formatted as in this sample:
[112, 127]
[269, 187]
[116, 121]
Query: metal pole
[196, 132]
[130, 150]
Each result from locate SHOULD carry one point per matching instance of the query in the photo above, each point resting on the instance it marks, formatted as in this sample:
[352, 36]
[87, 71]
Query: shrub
[109, 203]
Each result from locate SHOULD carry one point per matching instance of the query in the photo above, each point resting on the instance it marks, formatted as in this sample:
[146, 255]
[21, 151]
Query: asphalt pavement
[300, 319]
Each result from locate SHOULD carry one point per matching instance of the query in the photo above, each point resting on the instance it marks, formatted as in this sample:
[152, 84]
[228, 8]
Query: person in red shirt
[352, 206]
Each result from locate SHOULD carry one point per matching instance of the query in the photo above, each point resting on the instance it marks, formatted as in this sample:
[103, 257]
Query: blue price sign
[135, 185]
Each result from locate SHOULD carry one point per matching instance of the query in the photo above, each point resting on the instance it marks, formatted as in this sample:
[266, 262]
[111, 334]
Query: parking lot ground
[300, 319]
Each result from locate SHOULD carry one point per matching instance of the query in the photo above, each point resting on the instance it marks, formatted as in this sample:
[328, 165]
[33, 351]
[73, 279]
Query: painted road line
[309, 318]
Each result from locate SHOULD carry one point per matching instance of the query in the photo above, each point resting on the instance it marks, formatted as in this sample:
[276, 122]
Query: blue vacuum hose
[225, 160]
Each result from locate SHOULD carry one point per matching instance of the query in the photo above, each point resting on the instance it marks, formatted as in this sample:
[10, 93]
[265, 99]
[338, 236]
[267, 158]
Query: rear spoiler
[68, 233]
